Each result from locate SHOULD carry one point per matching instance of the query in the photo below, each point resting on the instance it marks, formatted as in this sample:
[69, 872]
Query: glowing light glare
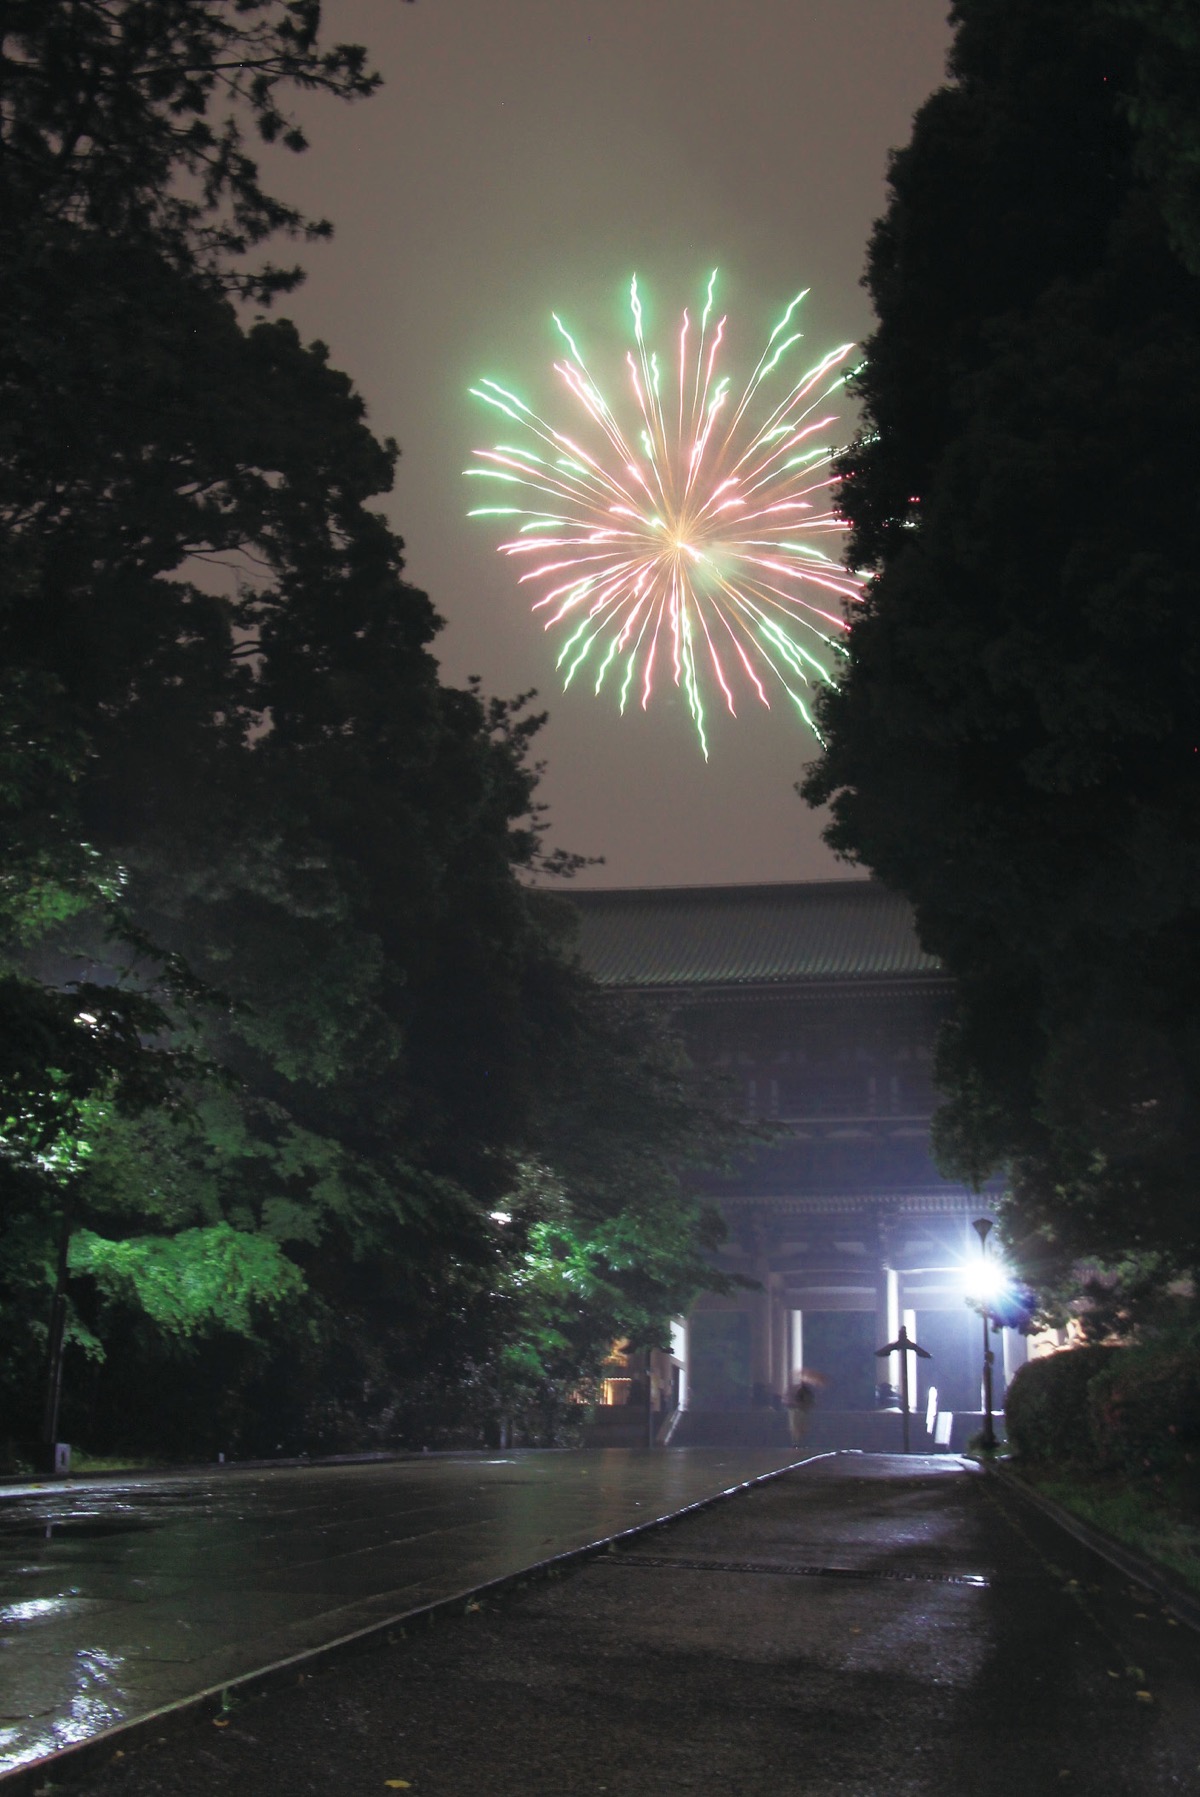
[33, 1609]
[985, 1281]
[685, 542]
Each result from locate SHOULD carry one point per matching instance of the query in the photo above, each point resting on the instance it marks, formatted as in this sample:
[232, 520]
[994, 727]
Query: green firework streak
[604, 665]
[691, 685]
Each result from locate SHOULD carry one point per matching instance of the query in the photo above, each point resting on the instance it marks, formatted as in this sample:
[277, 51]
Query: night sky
[529, 155]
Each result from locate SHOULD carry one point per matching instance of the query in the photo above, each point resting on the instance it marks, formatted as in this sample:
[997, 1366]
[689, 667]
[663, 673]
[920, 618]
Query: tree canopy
[1014, 744]
[129, 119]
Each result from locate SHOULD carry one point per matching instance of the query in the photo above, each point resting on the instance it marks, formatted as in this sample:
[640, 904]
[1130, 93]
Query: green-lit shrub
[1046, 1409]
[1144, 1408]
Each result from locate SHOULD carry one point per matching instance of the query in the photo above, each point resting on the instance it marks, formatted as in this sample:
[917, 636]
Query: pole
[902, 1338]
[983, 1228]
[988, 1432]
[56, 1339]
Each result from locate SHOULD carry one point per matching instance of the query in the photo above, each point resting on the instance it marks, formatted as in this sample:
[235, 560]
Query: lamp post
[983, 1228]
[48, 1457]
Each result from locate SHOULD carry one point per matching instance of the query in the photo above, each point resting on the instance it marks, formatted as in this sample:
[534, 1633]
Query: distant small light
[500, 1216]
[86, 1017]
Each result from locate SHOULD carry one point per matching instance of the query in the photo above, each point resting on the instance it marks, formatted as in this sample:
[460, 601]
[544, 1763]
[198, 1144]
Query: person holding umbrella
[800, 1403]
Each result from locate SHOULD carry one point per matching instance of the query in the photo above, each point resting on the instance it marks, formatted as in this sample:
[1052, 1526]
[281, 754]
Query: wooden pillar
[760, 1324]
[779, 1338]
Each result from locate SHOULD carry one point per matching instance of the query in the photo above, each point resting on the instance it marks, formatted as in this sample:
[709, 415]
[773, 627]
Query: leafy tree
[1161, 106]
[610, 1241]
[125, 190]
[126, 198]
[127, 120]
[283, 1023]
[1014, 744]
[135, 415]
[422, 1312]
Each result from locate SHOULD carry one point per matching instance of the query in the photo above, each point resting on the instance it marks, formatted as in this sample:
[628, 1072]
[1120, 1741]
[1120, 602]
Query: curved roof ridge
[851, 883]
[770, 934]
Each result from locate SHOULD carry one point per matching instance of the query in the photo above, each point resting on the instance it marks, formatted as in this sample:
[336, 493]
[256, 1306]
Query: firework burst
[685, 542]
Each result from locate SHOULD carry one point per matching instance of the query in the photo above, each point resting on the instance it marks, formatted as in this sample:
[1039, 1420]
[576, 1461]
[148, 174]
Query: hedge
[1144, 1409]
[1046, 1409]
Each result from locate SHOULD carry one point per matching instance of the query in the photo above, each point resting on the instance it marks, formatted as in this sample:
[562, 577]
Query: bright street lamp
[985, 1281]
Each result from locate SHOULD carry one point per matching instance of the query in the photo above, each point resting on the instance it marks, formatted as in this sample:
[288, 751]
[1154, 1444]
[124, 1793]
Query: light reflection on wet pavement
[120, 1596]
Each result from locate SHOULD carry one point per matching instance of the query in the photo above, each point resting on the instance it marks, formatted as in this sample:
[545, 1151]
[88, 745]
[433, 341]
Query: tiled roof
[688, 936]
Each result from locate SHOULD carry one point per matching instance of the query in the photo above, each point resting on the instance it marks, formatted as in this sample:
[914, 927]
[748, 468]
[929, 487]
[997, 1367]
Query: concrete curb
[70, 1764]
[1179, 1597]
[129, 1475]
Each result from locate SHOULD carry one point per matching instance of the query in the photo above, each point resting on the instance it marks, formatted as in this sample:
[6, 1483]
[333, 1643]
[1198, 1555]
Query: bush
[1144, 1409]
[1046, 1409]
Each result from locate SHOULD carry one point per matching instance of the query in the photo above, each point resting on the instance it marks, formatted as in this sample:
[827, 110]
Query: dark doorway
[955, 1339]
[840, 1345]
[719, 1360]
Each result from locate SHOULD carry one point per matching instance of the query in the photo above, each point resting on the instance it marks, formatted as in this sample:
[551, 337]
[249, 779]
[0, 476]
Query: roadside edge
[1179, 1598]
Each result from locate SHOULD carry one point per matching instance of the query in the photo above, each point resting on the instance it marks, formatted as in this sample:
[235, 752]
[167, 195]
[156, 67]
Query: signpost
[904, 1348]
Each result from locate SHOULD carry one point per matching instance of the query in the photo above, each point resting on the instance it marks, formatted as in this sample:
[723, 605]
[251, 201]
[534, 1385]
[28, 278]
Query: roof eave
[934, 979]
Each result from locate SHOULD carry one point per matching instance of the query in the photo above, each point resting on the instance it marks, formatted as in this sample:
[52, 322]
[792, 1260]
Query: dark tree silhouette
[1015, 743]
[281, 1021]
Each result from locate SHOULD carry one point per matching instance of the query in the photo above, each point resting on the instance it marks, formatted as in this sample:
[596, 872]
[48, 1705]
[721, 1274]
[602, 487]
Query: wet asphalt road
[123, 1595]
[864, 1627]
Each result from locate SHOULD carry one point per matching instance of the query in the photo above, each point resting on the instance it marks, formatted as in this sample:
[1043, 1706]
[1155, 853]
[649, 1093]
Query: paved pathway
[122, 1595]
[865, 1627]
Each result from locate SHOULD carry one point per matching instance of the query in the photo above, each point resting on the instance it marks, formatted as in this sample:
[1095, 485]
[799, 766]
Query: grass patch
[23, 1465]
[1159, 1519]
[110, 1463]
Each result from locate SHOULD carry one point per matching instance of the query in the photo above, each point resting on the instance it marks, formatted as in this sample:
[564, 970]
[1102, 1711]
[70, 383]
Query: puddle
[77, 1528]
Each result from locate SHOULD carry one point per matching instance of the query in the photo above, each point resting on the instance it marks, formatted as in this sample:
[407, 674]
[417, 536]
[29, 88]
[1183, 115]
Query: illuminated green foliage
[193, 1280]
